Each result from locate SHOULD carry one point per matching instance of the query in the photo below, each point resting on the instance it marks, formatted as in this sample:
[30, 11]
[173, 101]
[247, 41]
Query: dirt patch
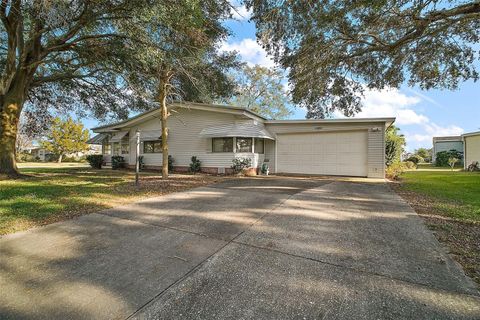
[461, 237]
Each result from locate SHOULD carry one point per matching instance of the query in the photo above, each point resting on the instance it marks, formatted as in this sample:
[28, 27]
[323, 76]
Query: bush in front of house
[26, 157]
[239, 164]
[195, 165]
[118, 162]
[95, 161]
[171, 161]
[394, 170]
[441, 159]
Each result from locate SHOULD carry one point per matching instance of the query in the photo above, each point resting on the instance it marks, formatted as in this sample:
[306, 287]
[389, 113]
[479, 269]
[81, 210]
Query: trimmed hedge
[95, 161]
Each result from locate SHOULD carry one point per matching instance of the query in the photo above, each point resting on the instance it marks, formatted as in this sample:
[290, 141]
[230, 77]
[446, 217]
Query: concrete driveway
[253, 248]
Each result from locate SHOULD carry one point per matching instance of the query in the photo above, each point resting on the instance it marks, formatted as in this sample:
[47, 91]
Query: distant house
[43, 155]
[468, 144]
[218, 134]
[446, 144]
[471, 147]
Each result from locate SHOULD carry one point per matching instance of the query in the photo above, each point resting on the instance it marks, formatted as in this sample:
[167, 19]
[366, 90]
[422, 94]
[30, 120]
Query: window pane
[222, 144]
[152, 146]
[125, 148]
[147, 147]
[259, 145]
[244, 144]
[116, 148]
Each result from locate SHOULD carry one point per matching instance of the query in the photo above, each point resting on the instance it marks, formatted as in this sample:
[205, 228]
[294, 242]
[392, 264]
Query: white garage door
[329, 153]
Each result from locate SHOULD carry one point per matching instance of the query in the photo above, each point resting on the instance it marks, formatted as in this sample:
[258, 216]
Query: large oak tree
[178, 58]
[61, 55]
[335, 49]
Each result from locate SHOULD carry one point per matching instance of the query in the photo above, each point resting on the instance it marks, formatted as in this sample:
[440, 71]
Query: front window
[244, 144]
[259, 145]
[116, 148]
[222, 145]
[107, 147]
[154, 146]
[125, 146]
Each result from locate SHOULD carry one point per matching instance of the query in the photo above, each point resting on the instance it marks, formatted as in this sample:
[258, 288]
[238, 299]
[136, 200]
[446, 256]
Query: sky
[420, 115]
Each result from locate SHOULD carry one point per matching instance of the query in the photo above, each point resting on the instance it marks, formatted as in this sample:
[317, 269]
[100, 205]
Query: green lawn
[60, 192]
[456, 194]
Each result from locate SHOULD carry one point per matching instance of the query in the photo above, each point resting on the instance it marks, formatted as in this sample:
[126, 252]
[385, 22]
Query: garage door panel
[332, 153]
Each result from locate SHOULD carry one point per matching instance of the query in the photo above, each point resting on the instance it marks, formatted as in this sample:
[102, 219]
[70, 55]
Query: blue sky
[420, 114]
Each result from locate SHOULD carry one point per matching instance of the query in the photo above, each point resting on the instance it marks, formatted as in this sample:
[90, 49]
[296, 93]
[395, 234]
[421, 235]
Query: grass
[456, 194]
[53, 193]
[449, 203]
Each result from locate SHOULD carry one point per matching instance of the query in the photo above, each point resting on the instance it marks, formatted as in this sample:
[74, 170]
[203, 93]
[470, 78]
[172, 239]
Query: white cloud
[391, 103]
[240, 12]
[250, 52]
[418, 128]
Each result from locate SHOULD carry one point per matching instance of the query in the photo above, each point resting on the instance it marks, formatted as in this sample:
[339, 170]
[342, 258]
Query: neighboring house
[471, 145]
[43, 155]
[446, 144]
[218, 134]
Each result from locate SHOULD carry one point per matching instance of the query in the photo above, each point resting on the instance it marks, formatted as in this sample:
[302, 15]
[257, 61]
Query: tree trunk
[10, 110]
[60, 158]
[162, 99]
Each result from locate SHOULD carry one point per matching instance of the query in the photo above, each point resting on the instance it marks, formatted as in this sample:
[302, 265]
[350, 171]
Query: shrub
[415, 159]
[410, 165]
[195, 165]
[238, 164]
[171, 161]
[441, 159]
[25, 157]
[394, 170]
[474, 166]
[118, 162]
[95, 160]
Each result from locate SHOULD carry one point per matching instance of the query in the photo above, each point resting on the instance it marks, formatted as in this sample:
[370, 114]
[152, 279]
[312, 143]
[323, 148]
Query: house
[217, 134]
[471, 147]
[446, 144]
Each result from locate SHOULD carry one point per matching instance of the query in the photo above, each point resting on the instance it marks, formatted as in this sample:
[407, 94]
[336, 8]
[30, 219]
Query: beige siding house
[218, 134]
[471, 145]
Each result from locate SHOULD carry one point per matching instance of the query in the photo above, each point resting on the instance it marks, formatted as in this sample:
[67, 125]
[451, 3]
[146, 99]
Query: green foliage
[65, 137]
[195, 165]
[474, 166]
[261, 90]
[416, 159]
[335, 50]
[118, 162]
[95, 161]
[238, 164]
[442, 157]
[424, 153]
[171, 161]
[410, 164]
[25, 157]
[394, 145]
[394, 170]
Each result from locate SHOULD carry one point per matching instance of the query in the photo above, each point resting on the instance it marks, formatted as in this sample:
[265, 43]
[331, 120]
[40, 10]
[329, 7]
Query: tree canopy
[394, 145]
[66, 137]
[261, 90]
[334, 50]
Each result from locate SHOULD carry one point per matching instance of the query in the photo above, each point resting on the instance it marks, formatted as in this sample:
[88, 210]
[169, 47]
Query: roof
[246, 129]
[388, 121]
[186, 105]
[447, 138]
[234, 110]
[469, 134]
